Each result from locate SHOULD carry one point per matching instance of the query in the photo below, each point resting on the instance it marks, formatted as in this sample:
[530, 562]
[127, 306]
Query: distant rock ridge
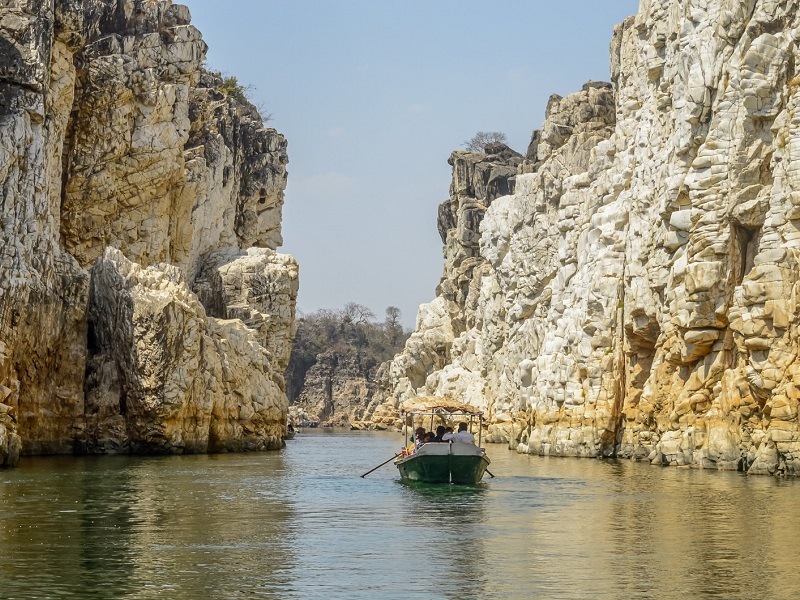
[143, 307]
[339, 390]
[338, 371]
[634, 291]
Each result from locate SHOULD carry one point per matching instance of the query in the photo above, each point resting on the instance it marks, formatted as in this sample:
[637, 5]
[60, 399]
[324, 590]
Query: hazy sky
[373, 95]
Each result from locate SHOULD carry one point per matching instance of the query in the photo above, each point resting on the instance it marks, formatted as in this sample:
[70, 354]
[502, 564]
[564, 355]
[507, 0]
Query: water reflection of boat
[442, 462]
[444, 492]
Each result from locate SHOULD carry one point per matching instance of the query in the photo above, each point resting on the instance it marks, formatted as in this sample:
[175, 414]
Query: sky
[373, 96]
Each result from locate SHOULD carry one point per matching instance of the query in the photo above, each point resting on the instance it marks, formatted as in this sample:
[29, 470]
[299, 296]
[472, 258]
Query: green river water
[301, 523]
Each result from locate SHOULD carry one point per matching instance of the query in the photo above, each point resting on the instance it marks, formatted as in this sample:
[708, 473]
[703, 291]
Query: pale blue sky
[374, 95]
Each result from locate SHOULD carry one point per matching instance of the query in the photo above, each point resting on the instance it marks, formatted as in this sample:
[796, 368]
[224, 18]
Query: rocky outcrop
[258, 287]
[338, 370]
[164, 377]
[478, 179]
[124, 167]
[339, 390]
[636, 294]
[235, 175]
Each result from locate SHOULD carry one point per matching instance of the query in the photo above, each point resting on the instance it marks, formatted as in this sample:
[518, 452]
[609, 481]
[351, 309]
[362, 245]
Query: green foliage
[346, 332]
[231, 87]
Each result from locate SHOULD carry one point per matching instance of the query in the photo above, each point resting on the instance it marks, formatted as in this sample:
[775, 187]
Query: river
[301, 523]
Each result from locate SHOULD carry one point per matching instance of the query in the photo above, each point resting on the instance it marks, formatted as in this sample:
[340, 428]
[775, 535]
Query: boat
[442, 462]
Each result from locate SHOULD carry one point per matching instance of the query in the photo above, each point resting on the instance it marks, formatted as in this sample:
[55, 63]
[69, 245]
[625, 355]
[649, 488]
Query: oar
[380, 465]
[490, 473]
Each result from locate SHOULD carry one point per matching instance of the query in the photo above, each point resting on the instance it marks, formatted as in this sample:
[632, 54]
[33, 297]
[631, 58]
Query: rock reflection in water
[711, 534]
[302, 524]
[129, 527]
[618, 529]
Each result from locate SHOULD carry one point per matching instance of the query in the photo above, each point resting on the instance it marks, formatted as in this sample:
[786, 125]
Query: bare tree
[393, 326]
[357, 313]
[482, 138]
[393, 316]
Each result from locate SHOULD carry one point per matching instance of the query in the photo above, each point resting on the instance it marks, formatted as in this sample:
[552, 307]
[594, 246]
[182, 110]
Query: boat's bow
[444, 462]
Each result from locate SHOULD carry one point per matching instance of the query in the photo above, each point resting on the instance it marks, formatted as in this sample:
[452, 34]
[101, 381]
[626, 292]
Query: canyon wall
[339, 390]
[636, 293]
[143, 307]
[338, 370]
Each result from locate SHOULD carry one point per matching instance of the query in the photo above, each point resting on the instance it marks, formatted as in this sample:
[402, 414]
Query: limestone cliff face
[478, 179]
[339, 390]
[637, 293]
[126, 172]
[338, 370]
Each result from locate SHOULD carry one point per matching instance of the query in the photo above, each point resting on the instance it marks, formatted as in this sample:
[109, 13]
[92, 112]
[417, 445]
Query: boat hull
[467, 469]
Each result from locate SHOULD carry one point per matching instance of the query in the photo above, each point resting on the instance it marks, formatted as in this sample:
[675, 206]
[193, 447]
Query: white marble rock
[116, 146]
[636, 294]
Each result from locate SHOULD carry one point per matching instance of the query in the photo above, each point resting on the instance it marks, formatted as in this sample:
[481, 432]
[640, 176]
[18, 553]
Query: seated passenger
[463, 436]
[448, 434]
[439, 434]
[419, 434]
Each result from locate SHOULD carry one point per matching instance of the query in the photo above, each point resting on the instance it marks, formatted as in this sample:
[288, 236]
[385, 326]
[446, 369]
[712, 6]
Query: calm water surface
[300, 523]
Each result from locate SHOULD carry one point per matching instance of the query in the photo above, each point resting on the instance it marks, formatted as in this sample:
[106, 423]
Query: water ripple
[301, 523]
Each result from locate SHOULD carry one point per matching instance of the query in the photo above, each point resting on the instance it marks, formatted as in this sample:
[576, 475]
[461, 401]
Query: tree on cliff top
[392, 323]
[230, 86]
[480, 140]
[357, 313]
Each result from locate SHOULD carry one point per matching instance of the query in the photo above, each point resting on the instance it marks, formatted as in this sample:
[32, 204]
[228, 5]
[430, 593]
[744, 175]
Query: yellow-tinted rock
[108, 139]
[668, 302]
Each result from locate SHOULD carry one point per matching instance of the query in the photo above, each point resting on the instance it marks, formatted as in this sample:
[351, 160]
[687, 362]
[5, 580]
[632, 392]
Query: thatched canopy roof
[437, 404]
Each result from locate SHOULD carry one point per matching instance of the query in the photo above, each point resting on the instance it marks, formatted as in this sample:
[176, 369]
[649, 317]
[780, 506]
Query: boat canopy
[438, 405]
[441, 408]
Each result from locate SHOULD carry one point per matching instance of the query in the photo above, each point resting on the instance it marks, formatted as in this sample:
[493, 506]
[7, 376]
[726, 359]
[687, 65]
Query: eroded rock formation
[339, 390]
[636, 294]
[126, 172]
[338, 370]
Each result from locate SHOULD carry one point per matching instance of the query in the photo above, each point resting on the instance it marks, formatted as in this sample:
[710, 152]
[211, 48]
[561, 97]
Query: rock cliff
[636, 292]
[338, 370]
[143, 307]
[339, 390]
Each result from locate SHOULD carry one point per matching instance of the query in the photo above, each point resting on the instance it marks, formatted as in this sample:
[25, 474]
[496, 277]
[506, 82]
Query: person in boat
[419, 435]
[439, 433]
[448, 434]
[463, 436]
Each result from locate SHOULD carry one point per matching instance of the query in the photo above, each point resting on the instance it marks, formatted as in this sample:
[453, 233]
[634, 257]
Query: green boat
[450, 461]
